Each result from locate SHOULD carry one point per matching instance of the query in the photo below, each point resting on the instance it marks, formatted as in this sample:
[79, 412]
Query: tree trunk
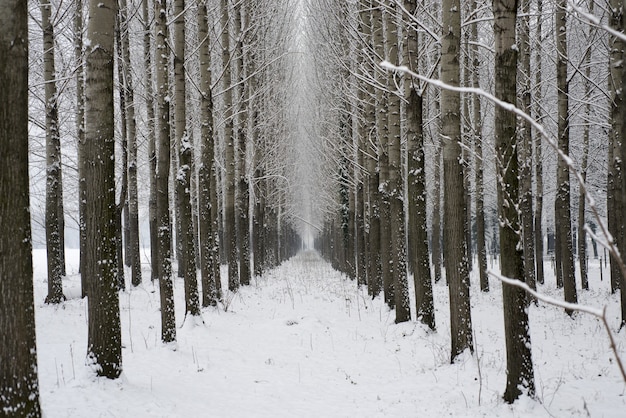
[133, 255]
[525, 149]
[562, 215]
[230, 230]
[164, 248]
[54, 185]
[185, 157]
[147, 64]
[436, 226]
[104, 345]
[80, 136]
[19, 385]
[518, 354]
[243, 195]
[419, 256]
[456, 263]
[538, 115]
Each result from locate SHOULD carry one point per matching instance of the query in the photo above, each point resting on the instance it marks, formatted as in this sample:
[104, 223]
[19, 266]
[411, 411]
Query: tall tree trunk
[525, 148]
[243, 195]
[517, 336]
[19, 384]
[205, 171]
[152, 160]
[419, 256]
[538, 115]
[54, 186]
[164, 247]
[396, 180]
[436, 222]
[104, 343]
[80, 139]
[230, 230]
[562, 216]
[481, 247]
[615, 199]
[382, 128]
[456, 263]
[185, 157]
[133, 256]
[122, 205]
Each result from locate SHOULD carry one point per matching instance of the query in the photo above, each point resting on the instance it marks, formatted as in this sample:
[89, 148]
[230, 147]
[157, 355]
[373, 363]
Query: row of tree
[413, 122]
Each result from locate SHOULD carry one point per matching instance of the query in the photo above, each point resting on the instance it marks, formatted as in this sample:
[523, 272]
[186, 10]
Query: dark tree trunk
[104, 345]
[19, 385]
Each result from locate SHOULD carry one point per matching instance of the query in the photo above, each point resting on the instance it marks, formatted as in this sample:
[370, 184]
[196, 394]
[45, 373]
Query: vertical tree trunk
[436, 222]
[230, 230]
[615, 200]
[122, 205]
[133, 255]
[19, 385]
[80, 135]
[562, 216]
[185, 157]
[54, 186]
[518, 354]
[104, 345]
[243, 195]
[481, 247]
[525, 148]
[164, 247]
[147, 65]
[538, 115]
[205, 171]
[456, 263]
[419, 256]
[395, 185]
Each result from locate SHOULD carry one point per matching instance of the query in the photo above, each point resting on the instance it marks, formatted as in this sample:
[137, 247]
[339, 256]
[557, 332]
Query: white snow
[304, 342]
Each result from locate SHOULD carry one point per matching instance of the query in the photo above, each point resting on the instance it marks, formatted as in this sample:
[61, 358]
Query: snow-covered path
[303, 342]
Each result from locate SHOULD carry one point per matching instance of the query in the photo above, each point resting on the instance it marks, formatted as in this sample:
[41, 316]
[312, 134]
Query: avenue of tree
[408, 141]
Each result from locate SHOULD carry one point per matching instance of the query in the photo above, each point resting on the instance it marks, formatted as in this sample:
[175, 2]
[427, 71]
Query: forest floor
[303, 341]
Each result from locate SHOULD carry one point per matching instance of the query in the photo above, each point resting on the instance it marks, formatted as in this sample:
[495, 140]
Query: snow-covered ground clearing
[302, 341]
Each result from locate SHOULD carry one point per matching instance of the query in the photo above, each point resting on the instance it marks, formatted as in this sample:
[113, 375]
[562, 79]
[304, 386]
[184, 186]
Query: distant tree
[54, 183]
[538, 115]
[19, 385]
[104, 345]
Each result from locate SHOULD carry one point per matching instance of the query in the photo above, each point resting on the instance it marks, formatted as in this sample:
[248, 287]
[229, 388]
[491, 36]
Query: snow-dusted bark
[163, 224]
[518, 350]
[54, 183]
[19, 384]
[104, 345]
[456, 262]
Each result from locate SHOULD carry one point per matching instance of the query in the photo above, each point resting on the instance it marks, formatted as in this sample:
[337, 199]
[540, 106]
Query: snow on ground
[302, 341]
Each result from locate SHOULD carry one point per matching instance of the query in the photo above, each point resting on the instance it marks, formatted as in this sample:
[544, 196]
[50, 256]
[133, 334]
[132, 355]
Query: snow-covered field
[304, 342]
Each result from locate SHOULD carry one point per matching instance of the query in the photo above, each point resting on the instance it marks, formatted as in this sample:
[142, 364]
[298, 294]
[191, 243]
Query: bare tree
[19, 384]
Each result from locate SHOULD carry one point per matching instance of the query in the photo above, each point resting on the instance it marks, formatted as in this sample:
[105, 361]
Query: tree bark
[164, 247]
[456, 262]
[518, 353]
[104, 345]
[19, 384]
[538, 115]
[54, 185]
[562, 215]
[133, 255]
